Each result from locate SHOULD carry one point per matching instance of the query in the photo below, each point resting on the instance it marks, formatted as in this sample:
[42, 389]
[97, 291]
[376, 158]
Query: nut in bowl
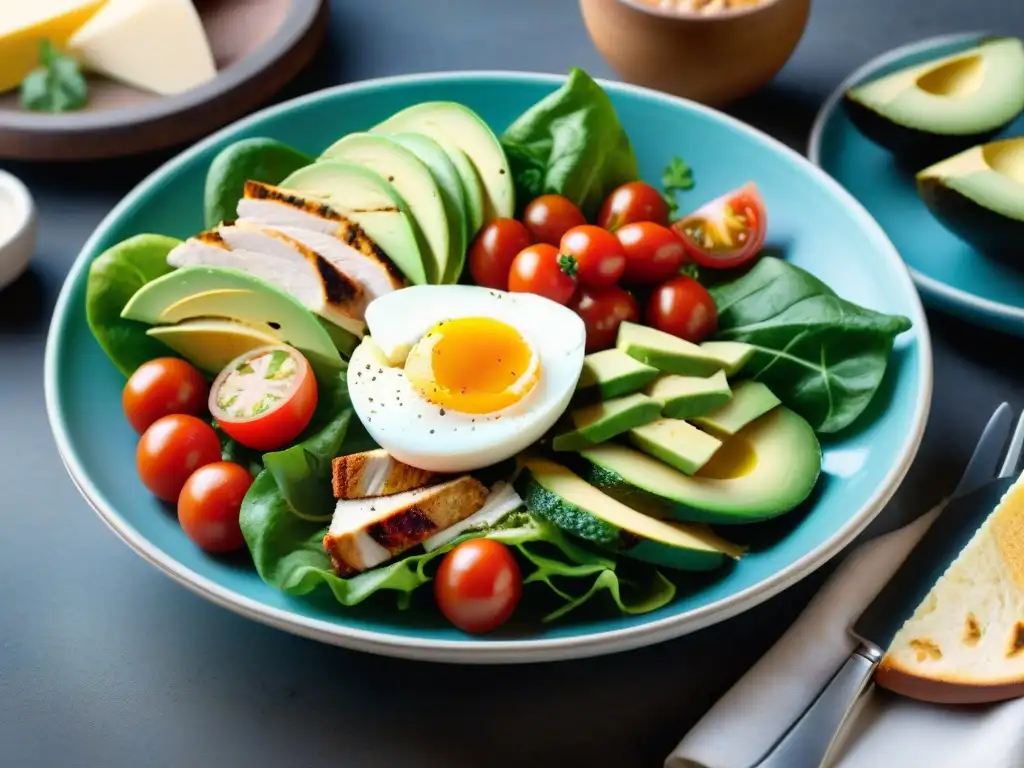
[711, 51]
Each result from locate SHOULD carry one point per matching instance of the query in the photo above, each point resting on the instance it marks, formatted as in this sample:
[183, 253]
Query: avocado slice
[371, 202]
[677, 443]
[750, 400]
[412, 180]
[978, 195]
[204, 292]
[611, 373]
[665, 352]
[460, 125]
[596, 423]
[551, 491]
[683, 397]
[763, 471]
[937, 108]
[732, 354]
[210, 343]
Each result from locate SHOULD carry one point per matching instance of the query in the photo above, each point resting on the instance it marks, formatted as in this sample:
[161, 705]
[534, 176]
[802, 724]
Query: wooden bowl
[258, 46]
[711, 58]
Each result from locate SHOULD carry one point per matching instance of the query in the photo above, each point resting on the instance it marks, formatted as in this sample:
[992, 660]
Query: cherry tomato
[599, 256]
[209, 503]
[160, 387]
[633, 201]
[728, 231]
[602, 310]
[542, 270]
[478, 585]
[653, 252]
[493, 250]
[265, 398]
[684, 308]
[549, 217]
[171, 449]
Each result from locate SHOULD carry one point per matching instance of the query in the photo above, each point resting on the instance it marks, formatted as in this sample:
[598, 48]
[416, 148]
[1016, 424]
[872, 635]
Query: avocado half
[978, 195]
[935, 109]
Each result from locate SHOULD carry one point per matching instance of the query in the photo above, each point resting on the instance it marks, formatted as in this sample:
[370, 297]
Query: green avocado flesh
[677, 443]
[596, 423]
[945, 105]
[665, 352]
[553, 492]
[766, 469]
[611, 373]
[750, 400]
[684, 397]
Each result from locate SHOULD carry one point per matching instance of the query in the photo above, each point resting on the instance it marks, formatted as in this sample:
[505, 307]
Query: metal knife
[807, 742]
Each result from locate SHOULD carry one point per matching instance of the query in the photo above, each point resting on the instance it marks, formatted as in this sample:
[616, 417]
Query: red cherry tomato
[599, 257]
[633, 201]
[653, 252]
[161, 387]
[540, 269]
[264, 398]
[549, 217]
[492, 252]
[209, 503]
[602, 311]
[684, 308]
[171, 449]
[727, 232]
[478, 585]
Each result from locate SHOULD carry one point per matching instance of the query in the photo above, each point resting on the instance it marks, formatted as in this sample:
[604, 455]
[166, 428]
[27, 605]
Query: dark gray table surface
[106, 662]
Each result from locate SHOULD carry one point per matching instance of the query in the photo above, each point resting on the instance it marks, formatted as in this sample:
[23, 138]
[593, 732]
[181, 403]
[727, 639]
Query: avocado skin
[989, 232]
[911, 145]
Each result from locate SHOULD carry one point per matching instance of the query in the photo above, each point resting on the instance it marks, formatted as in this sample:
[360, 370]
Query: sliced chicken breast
[375, 473]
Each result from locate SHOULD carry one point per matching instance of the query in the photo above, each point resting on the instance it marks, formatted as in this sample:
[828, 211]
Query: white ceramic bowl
[17, 228]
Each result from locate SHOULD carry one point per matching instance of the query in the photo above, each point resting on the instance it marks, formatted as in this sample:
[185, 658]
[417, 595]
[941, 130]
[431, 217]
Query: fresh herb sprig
[56, 85]
[677, 177]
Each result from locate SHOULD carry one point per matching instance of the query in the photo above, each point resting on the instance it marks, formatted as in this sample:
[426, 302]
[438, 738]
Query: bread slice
[375, 473]
[965, 642]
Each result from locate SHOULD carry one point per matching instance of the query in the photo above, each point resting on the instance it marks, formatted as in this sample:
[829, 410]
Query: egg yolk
[473, 365]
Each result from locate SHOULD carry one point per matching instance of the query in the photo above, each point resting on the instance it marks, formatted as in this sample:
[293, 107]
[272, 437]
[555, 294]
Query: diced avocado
[446, 120]
[372, 203]
[596, 423]
[750, 400]
[414, 183]
[732, 354]
[937, 108]
[979, 195]
[191, 293]
[551, 491]
[211, 343]
[677, 443]
[611, 373]
[683, 397]
[765, 470]
[664, 351]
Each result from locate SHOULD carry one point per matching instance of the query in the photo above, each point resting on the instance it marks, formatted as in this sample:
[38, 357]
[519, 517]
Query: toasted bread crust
[951, 691]
[349, 480]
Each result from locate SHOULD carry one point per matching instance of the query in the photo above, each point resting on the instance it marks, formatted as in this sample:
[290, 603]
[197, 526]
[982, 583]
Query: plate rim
[496, 651]
[950, 296]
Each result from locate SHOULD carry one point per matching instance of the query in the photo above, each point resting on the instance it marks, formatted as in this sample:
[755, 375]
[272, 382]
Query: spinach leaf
[114, 277]
[823, 356]
[570, 143]
[56, 85]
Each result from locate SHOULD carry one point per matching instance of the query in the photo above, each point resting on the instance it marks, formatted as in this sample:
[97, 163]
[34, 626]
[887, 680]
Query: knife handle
[808, 740]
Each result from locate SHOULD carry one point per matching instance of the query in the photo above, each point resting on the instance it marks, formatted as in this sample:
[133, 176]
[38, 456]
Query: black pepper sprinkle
[380, 370]
[442, 411]
[359, 373]
[373, 378]
[371, 399]
[419, 415]
[431, 431]
[367, 366]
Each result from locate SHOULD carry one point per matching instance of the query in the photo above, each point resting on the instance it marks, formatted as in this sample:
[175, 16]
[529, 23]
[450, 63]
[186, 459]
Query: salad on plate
[498, 371]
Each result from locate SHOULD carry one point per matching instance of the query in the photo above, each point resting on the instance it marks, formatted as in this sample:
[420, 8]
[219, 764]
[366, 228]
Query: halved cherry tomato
[478, 585]
[171, 450]
[161, 387]
[653, 252]
[549, 217]
[492, 252]
[602, 311]
[633, 201]
[684, 308]
[542, 270]
[264, 398]
[727, 232]
[209, 503]
[599, 257]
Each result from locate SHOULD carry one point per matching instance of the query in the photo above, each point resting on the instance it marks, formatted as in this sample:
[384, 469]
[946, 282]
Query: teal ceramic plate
[818, 225]
[950, 274]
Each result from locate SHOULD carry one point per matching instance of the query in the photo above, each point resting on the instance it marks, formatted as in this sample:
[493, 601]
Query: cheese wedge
[24, 24]
[965, 642]
[154, 45]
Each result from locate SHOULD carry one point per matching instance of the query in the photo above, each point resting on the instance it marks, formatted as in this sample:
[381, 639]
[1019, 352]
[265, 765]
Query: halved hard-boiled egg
[452, 378]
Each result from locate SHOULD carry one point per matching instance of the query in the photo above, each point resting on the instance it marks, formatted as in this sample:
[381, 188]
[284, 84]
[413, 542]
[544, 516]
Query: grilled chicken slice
[367, 532]
[317, 226]
[375, 473]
